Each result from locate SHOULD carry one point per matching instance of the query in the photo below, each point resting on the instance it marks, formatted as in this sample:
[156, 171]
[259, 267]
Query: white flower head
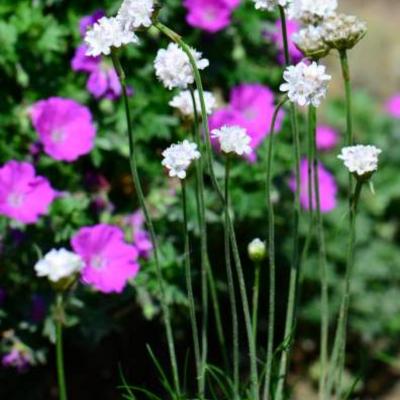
[233, 139]
[310, 42]
[360, 160]
[105, 34]
[311, 11]
[306, 84]
[135, 14]
[173, 68]
[59, 264]
[184, 103]
[270, 4]
[256, 250]
[178, 157]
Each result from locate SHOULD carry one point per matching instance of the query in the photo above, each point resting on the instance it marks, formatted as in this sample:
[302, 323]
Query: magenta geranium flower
[65, 128]
[327, 137]
[251, 107]
[210, 15]
[277, 37]
[23, 195]
[327, 188]
[393, 106]
[109, 261]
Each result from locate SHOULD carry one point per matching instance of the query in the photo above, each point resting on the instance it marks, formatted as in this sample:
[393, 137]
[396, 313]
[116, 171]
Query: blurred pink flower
[327, 137]
[86, 22]
[393, 106]
[19, 358]
[141, 238]
[65, 128]
[277, 37]
[109, 261]
[327, 187]
[251, 107]
[210, 15]
[23, 195]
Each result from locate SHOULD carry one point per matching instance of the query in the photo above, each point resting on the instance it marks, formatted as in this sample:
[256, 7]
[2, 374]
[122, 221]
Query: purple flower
[83, 63]
[109, 261]
[65, 128]
[19, 358]
[392, 106]
[327, 137]
[23, 195]
[327, 188]
[86, 22]
[277, 37]
[210, 15]
[141, 237]
[251, 107]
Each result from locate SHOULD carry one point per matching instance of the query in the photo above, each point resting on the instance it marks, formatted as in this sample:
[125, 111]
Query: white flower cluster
[360, 160]
[178, 157]
[310, 10]
[233, 139]
[135, 14]
[270, 4]
[59, 264]
[306, 84]
[310, 42]
[184, 103]
[173, 68]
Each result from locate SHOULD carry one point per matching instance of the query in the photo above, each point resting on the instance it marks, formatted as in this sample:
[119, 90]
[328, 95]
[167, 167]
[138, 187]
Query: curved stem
[149, 223]
[59, 348]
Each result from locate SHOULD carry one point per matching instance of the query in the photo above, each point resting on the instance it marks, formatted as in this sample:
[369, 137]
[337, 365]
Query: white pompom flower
[311, 11]
[178, 158]
[105, 34]
[135, 14]
[310, 42]
[361, 160]
[184, 103]
[173, 68]
[306, 84]
[60, 264]
[233, 139]
[270, 4]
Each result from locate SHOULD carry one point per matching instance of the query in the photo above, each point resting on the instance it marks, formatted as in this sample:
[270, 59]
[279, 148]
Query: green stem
[189, 287]
[271, 253]
[282, 15]
[149, 223]
[256, 295]
[59, 348]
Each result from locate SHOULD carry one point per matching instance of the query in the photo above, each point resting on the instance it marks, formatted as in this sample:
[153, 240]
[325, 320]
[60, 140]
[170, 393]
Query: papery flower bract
[88, 21]
[327, 188]
[184, 103]
[59, 264]
[23, 195]
[252, 107]
[311, 11]
[105, 34]
[327, 137]
[109, 261]
[310, 41]
[270, 4]
[178, 157]
[65, 128]
[135, 14]
[392, 106]
[306, 84]
[233, 139]
[360, 160]
[173, 68]
[292, 27]
[210, 15]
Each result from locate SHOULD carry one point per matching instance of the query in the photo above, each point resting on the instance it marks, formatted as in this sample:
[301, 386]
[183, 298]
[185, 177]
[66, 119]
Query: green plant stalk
[231, 285]
[236, 256]
[271, 254]
[256, 295]
[322, 261]
[62, 387]
[189, 287]
[149, 223]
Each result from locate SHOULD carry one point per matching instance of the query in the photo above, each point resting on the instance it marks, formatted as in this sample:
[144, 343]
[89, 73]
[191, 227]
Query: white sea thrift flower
[135, 14]
[306, 84]
[310, 42]
[256, 249]
[312, 10]
[105, 34]
[360, 160]
[173, 66]
[233, 139]
[178, 157]
[270, 4]
[184, 103]
[59, 264]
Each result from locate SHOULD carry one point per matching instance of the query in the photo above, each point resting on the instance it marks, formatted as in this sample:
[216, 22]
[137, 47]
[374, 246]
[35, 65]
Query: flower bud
[257, 250]
[310, 42]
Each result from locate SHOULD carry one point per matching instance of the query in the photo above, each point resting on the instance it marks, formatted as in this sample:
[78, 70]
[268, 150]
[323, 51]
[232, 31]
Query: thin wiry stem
[62, 387]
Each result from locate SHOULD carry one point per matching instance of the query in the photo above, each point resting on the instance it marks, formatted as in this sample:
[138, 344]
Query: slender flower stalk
[189, 287]
[149, 223]
[256, 295]
[62, 387]
[236, 256]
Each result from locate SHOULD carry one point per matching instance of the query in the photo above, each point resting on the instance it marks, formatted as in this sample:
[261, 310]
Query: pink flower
[251, 107]
[327, 137]
[23, 195]
[141, 238]
[19, 358]
[327, 187]
[210, 15]
[65, 128]
[393, 106]
[109, 261]
[277, 37]
[86, 22]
